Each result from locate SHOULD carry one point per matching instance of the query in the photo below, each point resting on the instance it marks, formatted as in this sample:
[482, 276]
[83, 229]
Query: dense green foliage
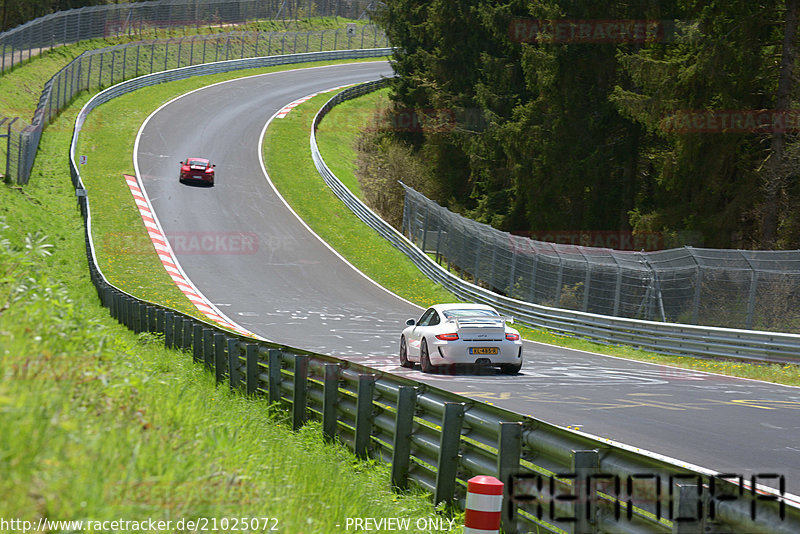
[569, 134]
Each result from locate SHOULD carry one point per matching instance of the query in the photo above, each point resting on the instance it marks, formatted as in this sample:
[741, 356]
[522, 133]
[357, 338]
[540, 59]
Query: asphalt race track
[289, 287]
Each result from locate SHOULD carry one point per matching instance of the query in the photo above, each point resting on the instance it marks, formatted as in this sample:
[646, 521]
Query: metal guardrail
[664, 338]
[558, 480]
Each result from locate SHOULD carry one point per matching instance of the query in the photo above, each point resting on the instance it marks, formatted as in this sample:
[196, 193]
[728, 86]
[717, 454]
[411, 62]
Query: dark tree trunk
[774, 180]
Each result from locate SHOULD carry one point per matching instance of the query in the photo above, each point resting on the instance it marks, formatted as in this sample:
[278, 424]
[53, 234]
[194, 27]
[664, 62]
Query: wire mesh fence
[100, 68]
[114, 20]
[728, 288]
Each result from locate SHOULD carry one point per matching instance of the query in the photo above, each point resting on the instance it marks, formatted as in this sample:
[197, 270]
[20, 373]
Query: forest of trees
[670, 116]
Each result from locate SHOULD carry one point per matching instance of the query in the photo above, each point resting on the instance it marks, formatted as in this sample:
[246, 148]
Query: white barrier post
[484, 505]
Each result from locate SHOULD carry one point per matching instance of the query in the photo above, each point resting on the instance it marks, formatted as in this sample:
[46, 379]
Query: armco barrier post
[300, 394]
[233, 363]
[401, 451]
[197, 343]
[151, 319]
[484, 505]
[177, 333]
[169, 329]
[143, 318]
[509, 451]
[161, 318]
[251, 354]
[584, 465]
[188, 326]
[208, 347]
[219, 356]
[366, 389]
[275, 358]
[330, 400]
[452, 420]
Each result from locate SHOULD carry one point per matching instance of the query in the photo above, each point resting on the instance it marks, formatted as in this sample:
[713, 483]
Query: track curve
[291, 288]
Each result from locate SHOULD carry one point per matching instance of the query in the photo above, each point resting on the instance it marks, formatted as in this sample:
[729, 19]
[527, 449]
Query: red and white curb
[167, 257]
[291, 105]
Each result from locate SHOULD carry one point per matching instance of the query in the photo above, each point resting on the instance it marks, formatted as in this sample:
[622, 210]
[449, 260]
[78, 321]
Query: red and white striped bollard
[484, 505]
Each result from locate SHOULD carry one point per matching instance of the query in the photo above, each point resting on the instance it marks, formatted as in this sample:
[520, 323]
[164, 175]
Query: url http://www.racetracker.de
[200, 524]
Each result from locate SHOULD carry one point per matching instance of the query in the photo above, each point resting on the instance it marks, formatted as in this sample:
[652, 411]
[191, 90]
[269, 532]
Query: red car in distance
[197, 170]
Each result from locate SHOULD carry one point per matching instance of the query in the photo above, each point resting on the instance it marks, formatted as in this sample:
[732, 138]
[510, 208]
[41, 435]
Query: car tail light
[447, 337]
[512, 337]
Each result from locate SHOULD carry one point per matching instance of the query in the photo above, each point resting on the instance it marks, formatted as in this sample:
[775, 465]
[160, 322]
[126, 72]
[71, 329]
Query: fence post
[300, 393]
[219, 357]
[330, 400]
[509, 451]
[275, 357]
[448, 452]
[401, 451]
[233, 363]
[366, 388]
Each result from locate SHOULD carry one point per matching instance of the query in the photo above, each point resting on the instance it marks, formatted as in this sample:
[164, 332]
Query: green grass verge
[335, 137]
[290, 167]
[97, 423]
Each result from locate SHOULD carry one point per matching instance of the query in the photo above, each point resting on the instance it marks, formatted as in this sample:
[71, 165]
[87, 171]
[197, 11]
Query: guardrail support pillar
[690, 516]
[161, 319]
[448, 452]
[403, 428]
[366, 389]
[208, 347]
[169, 329]
[233, 363]
[219, 357]
[251, 352]
[142, 318]
[187, 333]
[197, 343]
[330, 400]
[300, 393]
[151, 319]
[275, 357]
[584, 465]
[177, 335]
[509, 451]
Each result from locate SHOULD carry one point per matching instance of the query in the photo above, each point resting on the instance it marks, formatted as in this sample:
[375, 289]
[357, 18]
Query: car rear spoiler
[467, 318]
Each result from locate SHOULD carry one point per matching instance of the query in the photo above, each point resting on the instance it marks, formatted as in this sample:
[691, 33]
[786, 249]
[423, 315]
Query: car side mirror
[411, 322]
[181, 163]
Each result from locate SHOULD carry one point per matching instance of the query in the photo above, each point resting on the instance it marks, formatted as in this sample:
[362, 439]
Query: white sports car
[461, 334]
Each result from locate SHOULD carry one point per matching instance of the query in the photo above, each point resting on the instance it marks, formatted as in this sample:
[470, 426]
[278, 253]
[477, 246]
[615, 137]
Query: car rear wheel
[404, 361]
[425, 359]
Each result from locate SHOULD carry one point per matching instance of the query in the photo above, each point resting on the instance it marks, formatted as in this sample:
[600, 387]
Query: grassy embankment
[329, 218]
[98, 423]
